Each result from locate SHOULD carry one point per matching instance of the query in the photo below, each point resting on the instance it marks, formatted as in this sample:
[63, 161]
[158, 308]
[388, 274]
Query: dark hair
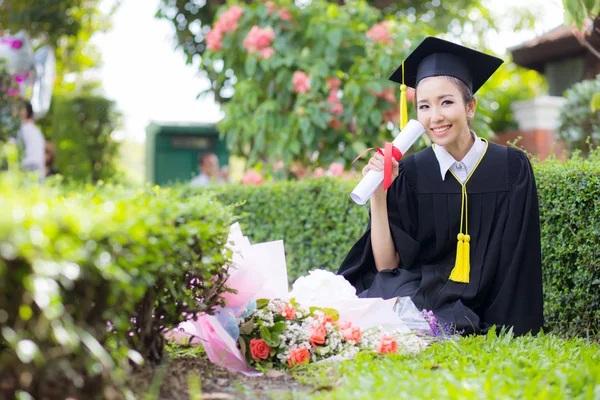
[464, 90]
[204, 156]
[28, 109]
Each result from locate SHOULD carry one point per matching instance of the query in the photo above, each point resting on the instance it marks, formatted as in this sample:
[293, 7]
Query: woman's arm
[384, 252]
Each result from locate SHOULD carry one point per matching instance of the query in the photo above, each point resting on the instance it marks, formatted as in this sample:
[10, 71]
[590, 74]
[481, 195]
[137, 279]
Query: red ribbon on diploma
[388, 152]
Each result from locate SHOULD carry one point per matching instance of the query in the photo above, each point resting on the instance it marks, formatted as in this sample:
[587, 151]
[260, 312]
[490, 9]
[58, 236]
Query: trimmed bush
[570, 216]
[81, 126]
[90, 279]
[319, 223]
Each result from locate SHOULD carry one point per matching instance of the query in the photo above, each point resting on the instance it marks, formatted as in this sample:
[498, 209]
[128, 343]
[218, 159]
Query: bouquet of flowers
[283, 334]
[265, 327]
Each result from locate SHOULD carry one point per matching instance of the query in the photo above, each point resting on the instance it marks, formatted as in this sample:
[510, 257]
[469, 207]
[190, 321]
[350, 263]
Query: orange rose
[317, 335]
[259, 349]
[288, 311]
[343, 325]
[387, 344]
[352, 334]
[298, 356]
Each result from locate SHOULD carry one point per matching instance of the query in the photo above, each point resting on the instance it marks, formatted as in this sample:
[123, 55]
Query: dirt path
[216, 382]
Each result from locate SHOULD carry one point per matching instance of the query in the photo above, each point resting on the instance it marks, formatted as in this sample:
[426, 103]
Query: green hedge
[92, 278]
[81, 127]
[570, 216]
[319, 223]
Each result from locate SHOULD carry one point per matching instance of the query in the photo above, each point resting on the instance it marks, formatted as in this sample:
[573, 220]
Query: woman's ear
[471, 107]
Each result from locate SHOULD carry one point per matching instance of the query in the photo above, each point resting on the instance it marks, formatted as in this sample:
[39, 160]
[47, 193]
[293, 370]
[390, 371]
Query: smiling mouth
[441, 130]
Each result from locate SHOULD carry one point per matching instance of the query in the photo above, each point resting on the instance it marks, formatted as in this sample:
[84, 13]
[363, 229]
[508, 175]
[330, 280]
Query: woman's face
[442, 110]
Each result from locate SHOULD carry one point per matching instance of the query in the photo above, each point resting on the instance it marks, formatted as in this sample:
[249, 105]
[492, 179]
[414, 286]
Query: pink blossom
[252, 177]
[387, 344]
[343, 325]
[259, 39]
[228, 21]
[335, 169]
[380, 33]
[334, 84]
[214, 40]
[352, 334]
[318, 172]
[332, 98]
[337, 108]
[410, 94]
[271, 7]
[267, 53]
[285, 15]
[301, 82]
[388, 95]
[12, 92]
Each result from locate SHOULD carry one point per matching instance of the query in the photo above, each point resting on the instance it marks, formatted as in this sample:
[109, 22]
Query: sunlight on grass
[492, 367]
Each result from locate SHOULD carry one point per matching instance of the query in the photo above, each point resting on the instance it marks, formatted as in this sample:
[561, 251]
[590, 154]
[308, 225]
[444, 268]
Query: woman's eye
[446, 102]
[423, 106]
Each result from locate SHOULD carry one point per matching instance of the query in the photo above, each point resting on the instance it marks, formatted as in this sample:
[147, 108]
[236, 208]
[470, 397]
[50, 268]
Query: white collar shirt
[464, 167]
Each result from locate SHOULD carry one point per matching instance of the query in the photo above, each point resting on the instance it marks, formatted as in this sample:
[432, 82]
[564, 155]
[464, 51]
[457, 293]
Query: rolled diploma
[403, 142]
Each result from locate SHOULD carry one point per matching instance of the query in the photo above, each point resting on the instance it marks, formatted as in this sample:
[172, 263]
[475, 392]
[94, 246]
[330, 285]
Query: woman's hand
[376, 164]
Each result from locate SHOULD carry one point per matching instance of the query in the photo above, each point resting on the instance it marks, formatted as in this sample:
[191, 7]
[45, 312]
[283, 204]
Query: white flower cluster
[265, 316]
[321, 286]
[411, 344]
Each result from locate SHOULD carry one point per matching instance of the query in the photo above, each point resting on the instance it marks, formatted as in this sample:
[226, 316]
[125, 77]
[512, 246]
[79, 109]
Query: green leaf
[375, 117]
[334, 36]
[278, 328]
[576, 11]
[265, 334]
[247, 327]
[294, 147]
[250, 66]
[327, 311]
[595, 103]
[262, 303]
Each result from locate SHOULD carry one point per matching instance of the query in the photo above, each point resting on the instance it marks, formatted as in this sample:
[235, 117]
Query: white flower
[321, 286]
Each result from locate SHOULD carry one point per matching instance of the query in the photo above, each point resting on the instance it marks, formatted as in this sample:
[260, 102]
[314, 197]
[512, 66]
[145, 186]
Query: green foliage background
[579, 122]
[81, 129]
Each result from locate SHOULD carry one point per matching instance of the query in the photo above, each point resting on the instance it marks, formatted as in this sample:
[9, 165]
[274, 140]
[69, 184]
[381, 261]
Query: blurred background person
[208, 164]
[32, 142]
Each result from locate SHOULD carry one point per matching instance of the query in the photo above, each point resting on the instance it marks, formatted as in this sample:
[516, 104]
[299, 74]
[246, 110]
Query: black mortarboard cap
[435, 57]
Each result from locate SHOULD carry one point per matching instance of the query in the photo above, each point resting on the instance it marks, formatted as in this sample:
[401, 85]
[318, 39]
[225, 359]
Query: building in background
[564, 60]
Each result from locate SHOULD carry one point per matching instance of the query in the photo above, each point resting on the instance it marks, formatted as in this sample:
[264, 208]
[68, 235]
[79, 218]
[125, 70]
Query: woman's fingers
[376, 164]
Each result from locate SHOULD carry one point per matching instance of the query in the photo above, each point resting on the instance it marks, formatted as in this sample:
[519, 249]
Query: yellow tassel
[467, 258]
[403, 107]
[462, 266]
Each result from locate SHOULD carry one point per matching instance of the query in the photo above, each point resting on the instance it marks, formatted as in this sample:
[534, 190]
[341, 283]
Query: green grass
[492, 367]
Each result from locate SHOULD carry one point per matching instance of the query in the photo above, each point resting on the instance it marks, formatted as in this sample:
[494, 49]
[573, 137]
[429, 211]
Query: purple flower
[438, 330]
[16, 44]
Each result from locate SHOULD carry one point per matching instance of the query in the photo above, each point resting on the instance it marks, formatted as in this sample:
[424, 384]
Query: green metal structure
[172, 151]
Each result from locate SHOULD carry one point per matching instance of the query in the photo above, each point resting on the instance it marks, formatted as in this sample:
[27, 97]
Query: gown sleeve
[515, 299]
[359, 265]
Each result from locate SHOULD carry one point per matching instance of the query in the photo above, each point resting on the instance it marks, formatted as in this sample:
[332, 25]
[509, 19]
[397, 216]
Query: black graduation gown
[505, 287]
